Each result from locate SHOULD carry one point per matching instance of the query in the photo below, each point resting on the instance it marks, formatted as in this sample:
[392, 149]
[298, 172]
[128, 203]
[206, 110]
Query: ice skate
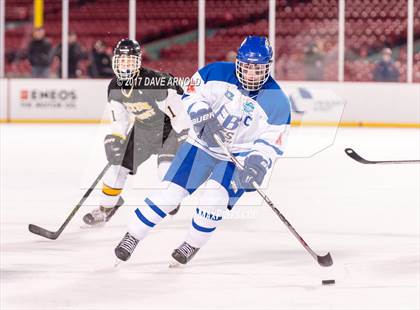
[183, 254]
[126, 247]
[101, 215]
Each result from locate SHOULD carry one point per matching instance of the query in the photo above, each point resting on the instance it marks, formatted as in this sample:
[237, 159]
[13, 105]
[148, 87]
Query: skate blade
[174, 264]
[117, 263]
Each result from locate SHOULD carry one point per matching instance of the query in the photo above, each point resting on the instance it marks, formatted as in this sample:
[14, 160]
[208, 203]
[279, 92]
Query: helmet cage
[252, 76]
[126, 66]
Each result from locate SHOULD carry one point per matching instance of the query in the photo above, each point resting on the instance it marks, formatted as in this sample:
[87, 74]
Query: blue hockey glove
[206, 126]
[255, 169]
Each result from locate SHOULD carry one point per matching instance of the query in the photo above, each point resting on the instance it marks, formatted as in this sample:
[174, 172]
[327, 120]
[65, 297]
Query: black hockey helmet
[126, 61]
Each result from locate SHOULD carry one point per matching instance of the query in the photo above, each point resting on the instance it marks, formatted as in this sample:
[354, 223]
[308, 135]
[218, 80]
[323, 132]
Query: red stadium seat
[370, 24]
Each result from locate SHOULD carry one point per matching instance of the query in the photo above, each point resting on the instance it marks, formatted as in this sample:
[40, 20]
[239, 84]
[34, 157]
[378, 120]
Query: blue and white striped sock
[155, 210]
[145, 218]
[203, 224]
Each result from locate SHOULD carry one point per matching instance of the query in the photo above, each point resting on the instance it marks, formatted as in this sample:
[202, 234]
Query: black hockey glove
[206, 126]
[255, 169]
[115, 149]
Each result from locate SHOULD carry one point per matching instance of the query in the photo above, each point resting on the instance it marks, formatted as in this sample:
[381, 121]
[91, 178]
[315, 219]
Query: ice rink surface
[367, 216]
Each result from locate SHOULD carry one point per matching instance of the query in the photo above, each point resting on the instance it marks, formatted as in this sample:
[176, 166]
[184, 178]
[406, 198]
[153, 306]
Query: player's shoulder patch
[219, 71]
[275, 103]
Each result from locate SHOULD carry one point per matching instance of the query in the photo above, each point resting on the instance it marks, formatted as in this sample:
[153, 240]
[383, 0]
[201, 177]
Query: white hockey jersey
[253, 121]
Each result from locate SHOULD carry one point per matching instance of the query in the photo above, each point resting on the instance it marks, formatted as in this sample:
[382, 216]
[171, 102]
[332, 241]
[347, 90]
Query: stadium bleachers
[370, 25]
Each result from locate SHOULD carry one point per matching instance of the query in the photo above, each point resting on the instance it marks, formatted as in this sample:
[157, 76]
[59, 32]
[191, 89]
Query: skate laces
[186, 249]
[128, 243]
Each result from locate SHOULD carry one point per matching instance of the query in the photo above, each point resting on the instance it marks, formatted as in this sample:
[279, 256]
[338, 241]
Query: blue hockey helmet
[253, 62]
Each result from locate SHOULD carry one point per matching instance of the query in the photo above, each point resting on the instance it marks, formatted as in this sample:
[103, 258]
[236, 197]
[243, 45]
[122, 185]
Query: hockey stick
[54, 234]
[352, 153]
[325, 260]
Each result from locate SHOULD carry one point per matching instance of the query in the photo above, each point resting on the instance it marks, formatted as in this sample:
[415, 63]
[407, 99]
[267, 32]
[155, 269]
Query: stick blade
[325, 260]
[352, 154]
[42, 232]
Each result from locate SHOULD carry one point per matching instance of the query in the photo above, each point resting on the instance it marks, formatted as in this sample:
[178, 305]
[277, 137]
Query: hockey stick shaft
[353, 154]
[54, 235]
[325, 260]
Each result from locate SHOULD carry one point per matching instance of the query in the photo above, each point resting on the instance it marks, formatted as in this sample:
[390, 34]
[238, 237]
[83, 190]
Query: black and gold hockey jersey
[146, 110]
[147, 97]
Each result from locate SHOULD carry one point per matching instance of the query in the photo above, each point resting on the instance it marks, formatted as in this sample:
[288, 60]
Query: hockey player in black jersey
[146, 119]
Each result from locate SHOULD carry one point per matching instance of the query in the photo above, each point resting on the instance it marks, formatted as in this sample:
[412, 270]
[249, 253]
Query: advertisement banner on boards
[313, 103]
[55, 100]
[365, 103]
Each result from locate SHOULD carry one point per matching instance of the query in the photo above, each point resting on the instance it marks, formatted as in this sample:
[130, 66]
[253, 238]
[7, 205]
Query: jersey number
[172, 112]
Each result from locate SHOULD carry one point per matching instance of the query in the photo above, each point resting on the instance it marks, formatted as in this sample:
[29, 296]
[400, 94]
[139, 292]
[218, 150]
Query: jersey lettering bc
[252, 121]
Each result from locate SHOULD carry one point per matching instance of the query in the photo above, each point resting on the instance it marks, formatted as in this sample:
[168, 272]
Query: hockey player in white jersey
[143, 121]
[241, 104]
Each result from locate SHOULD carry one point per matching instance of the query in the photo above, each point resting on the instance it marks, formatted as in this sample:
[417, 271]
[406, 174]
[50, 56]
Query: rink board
[314, 103]
[57, 100]
[371, 104]
[3, 100]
